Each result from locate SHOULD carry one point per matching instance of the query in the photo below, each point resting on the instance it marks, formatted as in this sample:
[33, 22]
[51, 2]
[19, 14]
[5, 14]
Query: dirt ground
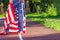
[35, 31]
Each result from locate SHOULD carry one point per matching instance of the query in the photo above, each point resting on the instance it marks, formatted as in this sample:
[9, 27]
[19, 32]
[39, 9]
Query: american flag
[11, 20]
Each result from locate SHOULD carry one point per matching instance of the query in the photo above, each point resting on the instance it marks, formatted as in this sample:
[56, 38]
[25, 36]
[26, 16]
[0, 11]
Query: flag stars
[16, 10]
[17, 14]
[17, 17]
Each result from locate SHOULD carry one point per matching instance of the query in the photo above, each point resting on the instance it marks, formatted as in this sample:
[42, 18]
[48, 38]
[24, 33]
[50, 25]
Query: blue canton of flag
[19, 12]
[15, 12]
[19, 9]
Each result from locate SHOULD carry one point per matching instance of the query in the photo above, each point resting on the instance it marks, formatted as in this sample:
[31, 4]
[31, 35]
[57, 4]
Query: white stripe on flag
[10, 13]
[24, 24]
[7, 17]
[10, 30]
[12, 25]
[24, 29]
[15, 22]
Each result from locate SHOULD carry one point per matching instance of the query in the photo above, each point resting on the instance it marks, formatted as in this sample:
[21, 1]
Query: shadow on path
[35, 31]
[47, 37]
[33, 24]
[6, 37]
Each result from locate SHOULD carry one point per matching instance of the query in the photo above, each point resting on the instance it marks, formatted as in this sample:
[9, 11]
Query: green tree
[5, 2]
[44, 4]
[33, 5]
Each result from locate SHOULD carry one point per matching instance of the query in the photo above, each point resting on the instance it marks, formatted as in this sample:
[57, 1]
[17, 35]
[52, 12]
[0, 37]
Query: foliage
[51, 11]
[52, 23]
[48, 14]
[33, 5]
[5, 2]
[35, 1]
[2, 15]
[44, 4]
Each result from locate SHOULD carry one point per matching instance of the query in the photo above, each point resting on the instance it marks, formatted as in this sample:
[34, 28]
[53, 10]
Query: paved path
[34, 32]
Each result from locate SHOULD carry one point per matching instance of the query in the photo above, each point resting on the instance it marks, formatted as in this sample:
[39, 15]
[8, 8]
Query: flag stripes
[10, 19]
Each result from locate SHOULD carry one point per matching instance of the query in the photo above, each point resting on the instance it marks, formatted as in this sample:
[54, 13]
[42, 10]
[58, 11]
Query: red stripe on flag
[13, 28]
[8, 15]
[12, 10]
[14, 24]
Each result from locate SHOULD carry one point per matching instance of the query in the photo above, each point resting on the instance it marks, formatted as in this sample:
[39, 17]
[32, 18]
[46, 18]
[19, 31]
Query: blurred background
[45, 12]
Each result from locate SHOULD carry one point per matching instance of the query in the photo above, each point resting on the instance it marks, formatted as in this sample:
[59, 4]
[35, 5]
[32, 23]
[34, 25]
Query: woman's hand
[20, 0]
[11, 1]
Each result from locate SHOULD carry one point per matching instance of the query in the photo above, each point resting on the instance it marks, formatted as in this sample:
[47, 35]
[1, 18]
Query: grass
[52, 23]
[48, 20]
[2, 15]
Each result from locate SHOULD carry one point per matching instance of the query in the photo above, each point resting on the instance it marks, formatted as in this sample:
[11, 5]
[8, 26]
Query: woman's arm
[11, 1]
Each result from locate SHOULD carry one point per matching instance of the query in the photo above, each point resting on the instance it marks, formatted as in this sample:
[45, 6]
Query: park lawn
[48, 21]
[2, 15]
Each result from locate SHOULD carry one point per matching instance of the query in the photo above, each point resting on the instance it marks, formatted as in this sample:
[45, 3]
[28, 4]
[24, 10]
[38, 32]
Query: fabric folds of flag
[10, 19]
